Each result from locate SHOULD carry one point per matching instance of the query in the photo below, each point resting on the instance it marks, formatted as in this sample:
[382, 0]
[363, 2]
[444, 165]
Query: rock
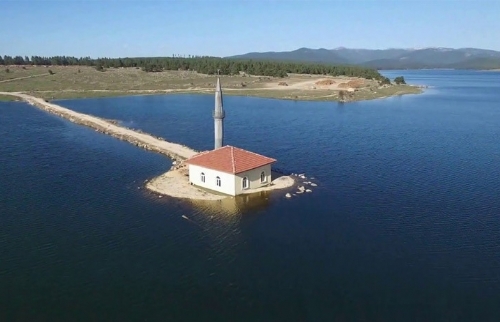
[313, 184]
[288, 195]
[308, 190]
[174, 163]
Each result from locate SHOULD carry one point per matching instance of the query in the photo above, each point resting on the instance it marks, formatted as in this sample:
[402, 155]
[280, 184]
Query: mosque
[228, 169]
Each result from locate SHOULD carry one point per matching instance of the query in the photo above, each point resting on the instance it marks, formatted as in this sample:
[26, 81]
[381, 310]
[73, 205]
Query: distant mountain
[302, 54]
[357, 56]
[393, 58]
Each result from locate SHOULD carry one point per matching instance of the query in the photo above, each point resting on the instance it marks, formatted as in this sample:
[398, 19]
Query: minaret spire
[219, 115]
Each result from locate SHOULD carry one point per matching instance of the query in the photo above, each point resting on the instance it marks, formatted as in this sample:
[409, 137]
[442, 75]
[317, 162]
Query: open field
[81, 81]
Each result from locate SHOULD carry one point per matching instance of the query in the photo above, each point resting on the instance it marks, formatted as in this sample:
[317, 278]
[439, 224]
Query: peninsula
[173, 183]
[61, 79]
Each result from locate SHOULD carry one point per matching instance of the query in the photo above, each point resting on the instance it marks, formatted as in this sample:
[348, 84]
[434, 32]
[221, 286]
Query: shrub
[342, 96]
[399, 80]
[385, 81]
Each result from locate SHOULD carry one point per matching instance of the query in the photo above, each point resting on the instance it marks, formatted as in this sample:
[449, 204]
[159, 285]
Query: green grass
[72, 78]
[19, 71]
[7, 98]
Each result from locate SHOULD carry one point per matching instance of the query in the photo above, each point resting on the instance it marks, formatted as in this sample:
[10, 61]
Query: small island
[69, 77]
[175, 183]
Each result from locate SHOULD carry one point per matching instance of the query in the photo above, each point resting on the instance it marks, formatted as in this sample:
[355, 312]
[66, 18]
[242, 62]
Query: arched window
[217, 181]
[202, 177]
[263, 177]
[245, 183]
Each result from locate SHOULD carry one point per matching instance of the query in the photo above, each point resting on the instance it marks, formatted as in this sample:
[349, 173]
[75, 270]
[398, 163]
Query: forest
[204, 65]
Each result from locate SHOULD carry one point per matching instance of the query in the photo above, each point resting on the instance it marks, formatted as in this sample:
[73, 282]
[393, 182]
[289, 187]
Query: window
[245, 183]
[202, 177]
[217, 181]
[263, 177]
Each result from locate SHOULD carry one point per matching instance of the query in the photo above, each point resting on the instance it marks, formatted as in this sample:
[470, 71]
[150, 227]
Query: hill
[300, 55]
[393, 58]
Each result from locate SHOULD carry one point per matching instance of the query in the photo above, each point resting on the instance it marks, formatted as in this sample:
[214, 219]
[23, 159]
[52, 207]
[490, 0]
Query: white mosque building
[227, 169]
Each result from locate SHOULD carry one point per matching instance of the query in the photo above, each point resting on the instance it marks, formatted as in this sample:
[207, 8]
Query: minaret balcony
[219, 114]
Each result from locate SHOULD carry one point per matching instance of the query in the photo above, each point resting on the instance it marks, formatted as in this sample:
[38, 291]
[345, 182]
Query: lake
[404, 223]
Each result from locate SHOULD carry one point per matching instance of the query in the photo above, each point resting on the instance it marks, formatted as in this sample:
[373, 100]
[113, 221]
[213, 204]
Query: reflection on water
[234, 207]
[217, 223]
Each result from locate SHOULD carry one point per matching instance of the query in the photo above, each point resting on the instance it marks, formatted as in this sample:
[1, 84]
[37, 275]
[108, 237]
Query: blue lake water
[404, 223]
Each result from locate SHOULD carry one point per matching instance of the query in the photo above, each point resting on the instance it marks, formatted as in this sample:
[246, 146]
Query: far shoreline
[70, 82]
[420, 88]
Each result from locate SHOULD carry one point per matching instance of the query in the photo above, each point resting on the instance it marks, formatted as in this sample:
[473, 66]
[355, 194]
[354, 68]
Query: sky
[126, 28]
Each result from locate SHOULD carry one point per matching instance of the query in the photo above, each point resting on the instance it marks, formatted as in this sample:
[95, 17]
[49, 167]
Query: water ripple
[404, 218]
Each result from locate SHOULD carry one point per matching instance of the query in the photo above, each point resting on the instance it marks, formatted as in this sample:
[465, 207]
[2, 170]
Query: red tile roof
[229, 159]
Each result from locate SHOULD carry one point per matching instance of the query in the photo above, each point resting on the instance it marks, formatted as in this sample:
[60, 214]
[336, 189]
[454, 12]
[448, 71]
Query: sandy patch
[328, 83]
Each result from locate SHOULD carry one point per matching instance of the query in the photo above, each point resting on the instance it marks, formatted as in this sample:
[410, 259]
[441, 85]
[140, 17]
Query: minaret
[218, 116]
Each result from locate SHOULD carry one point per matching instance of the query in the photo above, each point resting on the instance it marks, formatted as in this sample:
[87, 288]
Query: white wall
[254, 178]
[227, 179]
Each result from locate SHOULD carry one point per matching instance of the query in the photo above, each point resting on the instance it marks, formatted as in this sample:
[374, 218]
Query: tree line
[200, 64]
